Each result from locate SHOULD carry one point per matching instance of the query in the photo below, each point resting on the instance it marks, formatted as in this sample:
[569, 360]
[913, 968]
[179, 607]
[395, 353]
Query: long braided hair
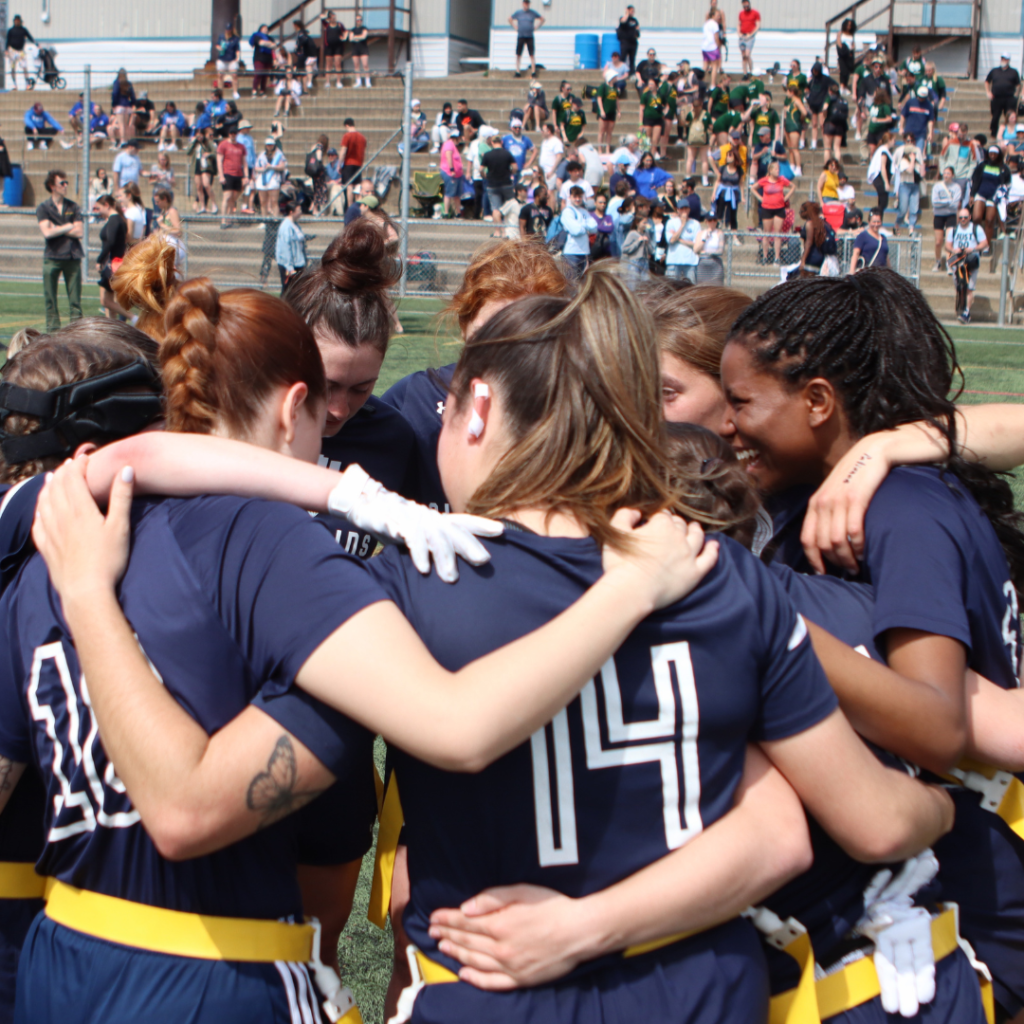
[873, 335]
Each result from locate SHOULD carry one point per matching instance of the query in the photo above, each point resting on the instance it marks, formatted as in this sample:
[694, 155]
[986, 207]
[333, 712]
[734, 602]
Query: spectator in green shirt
[653, 112]
[881, 119]
[670, 109]
[607, 111]
[937, 84]
[796, 78]
[725, 124]
[562, 103]
[718, 98]
[764, 115]
[573, 124]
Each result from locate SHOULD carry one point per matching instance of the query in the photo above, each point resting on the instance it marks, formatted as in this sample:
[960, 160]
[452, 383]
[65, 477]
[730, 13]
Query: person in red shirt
[352, 153]
[232, 172]
[750, 22]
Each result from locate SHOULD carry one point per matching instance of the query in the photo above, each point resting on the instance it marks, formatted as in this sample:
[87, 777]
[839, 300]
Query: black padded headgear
[75, 413]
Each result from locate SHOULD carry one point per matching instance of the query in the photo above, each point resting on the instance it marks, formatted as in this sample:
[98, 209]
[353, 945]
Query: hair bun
[358, 259]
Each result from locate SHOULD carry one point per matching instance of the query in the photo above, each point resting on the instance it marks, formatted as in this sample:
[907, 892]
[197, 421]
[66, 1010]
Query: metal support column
[406, 167]
[1004, 280]
[86, 168]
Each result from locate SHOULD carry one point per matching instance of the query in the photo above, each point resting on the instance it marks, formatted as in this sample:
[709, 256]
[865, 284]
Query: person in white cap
[520, 147]
[1003, 87]
[418, 134]
[270, 167]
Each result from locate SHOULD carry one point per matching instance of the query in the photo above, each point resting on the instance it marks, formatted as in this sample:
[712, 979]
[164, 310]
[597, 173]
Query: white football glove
[902, 934]
[392, 519]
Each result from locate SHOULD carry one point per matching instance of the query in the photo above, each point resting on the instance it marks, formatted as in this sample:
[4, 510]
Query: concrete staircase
[236, 254]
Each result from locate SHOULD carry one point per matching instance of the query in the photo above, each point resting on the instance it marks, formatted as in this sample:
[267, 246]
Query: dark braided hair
[873, 335]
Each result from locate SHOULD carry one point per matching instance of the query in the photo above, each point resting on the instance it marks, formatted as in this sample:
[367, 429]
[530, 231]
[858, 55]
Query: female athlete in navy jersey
[233, 600]
[497, 275]
[615, 799]
[809, 368]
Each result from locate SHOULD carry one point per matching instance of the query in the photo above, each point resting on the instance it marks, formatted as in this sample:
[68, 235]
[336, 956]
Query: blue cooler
[609, 45]
[586, 52]
[14, 186]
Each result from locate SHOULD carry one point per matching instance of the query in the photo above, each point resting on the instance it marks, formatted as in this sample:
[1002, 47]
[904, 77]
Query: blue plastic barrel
[586, 51]
[13, 186]
[609, 45]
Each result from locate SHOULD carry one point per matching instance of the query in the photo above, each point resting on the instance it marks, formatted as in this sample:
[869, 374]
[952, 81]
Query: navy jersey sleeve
[17, 510]
[15, 734]
[280, 583]
[795, 692]
[914, 558]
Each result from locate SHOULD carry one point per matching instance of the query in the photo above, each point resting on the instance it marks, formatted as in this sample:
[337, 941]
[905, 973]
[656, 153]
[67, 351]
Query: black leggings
[726, 213]
[883, 194]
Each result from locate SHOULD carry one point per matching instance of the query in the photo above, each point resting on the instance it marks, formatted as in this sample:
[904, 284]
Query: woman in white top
[134, 212]
[551, 150]
[289, 94]
[711, 47]
[946, 196]
[270, 166]
[709, 246]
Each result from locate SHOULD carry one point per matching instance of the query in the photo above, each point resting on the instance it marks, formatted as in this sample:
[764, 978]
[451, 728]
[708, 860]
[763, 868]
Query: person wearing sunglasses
[60, 222]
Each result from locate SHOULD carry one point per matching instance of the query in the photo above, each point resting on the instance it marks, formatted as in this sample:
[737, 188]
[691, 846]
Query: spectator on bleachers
[77, 119]
[575, 121]
[519, 146]
[837, 121]
[1007, 137]
[451, 175]
[245, 138]
[680, 234]
[946, 201]
[161, 175]
[649, 177]
[232, 173]
[917, 117]
[17, 37]
[574, 179]
[122, 106]
[601, 246]
[728, 192]
[616, 74]
[621, 173]
[536, 106]
[134, 211]
[172, 127]
[99, 126]
[628, 152]
[228, 45]
[646, 70]
[359, 37]
[99, 186]
[468, 121]
[352, 153]
[289, 94]
[688, 192]
[199, 120]
[290, 249]
[593, 165]
[39, 126]
[1015, 196]
[334, 36]
[525, 22]
[510, 210]
[962, 153]
[270, 167]
[144, 119]
[316, 171]
[499, 165]
[578, 224]
[562, 104]
[362, 204]
[216, 106]
[231, 118]
[282, 60]
[636, 248]
[909, 164]
[203, 152]
[307, 53]
[937, 86]
[473, 169]
[607, 101]
[127, 166]
[113, 245]
[846, 193]
[989, 176]
[332, 175]
[419, 137]
[168, 220]
[551, 150]
[817, 97]
[536, 215]
[442, 127]
[262, 43]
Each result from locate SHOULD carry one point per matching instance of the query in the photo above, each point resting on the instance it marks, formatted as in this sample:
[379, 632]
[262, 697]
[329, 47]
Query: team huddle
[635, 772]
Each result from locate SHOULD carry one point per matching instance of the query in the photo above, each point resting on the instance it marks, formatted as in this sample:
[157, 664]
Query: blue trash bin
[609, 45]
[14, 186]
[586, 51]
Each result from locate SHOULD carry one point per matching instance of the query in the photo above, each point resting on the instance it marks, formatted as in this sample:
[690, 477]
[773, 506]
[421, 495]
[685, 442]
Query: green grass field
[993, 361]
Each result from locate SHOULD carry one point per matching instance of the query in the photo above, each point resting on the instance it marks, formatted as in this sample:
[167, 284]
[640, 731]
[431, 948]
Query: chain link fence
[242, 255]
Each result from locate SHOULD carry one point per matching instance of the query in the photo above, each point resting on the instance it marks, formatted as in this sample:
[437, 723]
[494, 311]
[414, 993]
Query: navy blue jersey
[420, 398]
[648, 755]
[380, 440]
[228, 598]
[17, 509]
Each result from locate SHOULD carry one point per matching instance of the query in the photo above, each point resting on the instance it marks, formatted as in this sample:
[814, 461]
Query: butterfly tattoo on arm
[273, 793]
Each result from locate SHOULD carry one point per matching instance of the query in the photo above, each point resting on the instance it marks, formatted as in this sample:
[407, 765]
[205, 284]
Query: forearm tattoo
[272, 793]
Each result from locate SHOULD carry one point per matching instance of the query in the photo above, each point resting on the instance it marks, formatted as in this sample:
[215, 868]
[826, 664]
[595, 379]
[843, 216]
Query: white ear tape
[476, 423]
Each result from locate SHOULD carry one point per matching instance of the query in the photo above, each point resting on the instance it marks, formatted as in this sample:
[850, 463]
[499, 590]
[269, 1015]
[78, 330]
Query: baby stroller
[51, 76]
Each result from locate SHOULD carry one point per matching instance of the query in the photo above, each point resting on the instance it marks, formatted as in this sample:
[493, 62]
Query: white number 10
[636, 746]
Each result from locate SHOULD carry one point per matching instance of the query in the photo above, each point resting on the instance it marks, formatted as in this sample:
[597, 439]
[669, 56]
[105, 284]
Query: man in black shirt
[1002, 86]
[535, 217]
[647, 69]
[499, 165]
[60, 222]
[469, 121]
[628, 33]
[17, 36]
[817, 96]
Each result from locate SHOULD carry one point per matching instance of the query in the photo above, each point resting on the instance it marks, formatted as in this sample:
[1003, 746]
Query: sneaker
[798, 172]
[814, 143]
[236, 96]
[965, 317]
[801, 143]
[66, 145]
[938, 266]
[30, 144]
[44, 144]
[704, 180]
[358, 84]
[950, 271]
[369, 84]
[517, 75]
